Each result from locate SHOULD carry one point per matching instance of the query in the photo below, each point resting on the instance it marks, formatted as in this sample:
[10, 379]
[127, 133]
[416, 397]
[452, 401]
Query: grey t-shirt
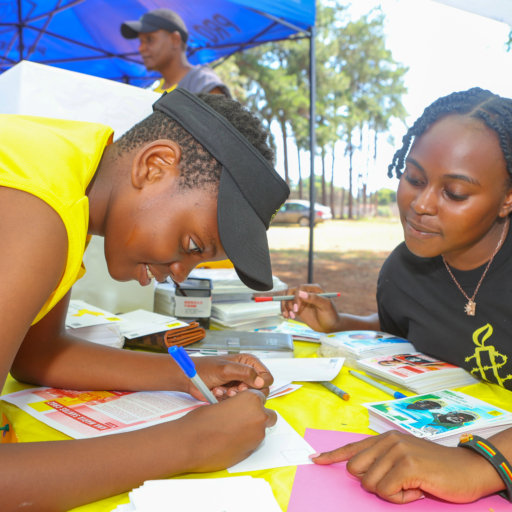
[200, 79]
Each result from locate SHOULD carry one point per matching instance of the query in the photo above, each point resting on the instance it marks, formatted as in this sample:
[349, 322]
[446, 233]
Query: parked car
[296, 211]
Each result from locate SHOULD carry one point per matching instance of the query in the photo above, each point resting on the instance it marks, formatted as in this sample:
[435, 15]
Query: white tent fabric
[499, 10]
[37, 90]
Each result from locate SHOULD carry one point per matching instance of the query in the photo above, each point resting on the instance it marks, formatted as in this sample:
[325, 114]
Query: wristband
[488, 451]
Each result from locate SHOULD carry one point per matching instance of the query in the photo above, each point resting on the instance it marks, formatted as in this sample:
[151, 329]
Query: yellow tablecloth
[311, 406]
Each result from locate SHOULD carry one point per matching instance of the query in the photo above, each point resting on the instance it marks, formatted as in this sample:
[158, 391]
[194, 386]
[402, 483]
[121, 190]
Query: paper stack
[298, 331]
[245, 316]
[227, 287]
[440, 417]
[356, 345]
[131, 325]
[416, 371]
[105, 334]
[200, 495]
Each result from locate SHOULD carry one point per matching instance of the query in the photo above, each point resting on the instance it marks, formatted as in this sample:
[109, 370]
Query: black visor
[250, 190]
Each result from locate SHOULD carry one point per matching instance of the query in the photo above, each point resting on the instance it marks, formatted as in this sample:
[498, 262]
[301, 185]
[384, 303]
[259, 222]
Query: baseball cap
[250, 190]
[153, 20]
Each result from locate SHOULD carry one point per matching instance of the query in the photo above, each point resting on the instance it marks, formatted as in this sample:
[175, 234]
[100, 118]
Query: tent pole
[20, 30]
[312, 146]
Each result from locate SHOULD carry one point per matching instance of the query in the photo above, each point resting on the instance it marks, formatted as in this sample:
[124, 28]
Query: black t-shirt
[418, 300]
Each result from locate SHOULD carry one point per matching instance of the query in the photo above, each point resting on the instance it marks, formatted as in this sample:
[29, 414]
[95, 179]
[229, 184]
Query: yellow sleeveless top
[54, 160]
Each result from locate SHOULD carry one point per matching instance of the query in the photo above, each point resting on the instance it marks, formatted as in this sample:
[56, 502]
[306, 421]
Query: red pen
[291, 297]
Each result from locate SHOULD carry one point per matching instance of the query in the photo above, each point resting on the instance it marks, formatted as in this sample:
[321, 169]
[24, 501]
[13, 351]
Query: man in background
[163, 44]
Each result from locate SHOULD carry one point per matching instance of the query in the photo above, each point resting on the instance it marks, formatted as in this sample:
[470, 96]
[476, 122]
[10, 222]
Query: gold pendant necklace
[470, 307]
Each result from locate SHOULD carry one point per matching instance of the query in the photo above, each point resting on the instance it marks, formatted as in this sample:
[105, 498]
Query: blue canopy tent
[84, 36]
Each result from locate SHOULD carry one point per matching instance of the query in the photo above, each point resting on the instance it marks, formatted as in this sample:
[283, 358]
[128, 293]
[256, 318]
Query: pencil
[291, 297]
[378, 385]
[336, 390]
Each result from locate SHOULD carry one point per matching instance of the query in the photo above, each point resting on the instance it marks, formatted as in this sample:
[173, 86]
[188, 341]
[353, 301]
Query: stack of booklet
[440, 417]
[356, 345]
[81, 317]
[199, 495]
[104, 334]
[227, 287]
[245, 316]
[298, 331]
[417, 372]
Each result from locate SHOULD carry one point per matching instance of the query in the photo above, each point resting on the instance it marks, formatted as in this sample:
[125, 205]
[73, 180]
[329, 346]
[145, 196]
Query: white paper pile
[105, 334]
[298, 331]
[227, 287]
[131, 325]
[245, 316]
[235, 494]
[356, 345]
[313, 369]
[417, 372]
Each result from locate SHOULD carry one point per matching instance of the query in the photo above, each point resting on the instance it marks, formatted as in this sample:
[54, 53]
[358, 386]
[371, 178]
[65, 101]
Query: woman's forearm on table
[68, 362]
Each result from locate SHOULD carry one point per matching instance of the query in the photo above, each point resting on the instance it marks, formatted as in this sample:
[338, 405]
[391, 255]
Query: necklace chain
[471, 305]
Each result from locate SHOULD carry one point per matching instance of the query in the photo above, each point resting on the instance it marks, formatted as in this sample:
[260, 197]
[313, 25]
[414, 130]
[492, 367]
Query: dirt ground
[353, 272]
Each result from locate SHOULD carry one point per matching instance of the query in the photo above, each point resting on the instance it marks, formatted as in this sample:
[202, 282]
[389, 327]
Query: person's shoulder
[203, 79]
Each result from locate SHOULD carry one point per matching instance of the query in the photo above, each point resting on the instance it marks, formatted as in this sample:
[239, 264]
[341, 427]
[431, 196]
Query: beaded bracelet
[488, 451]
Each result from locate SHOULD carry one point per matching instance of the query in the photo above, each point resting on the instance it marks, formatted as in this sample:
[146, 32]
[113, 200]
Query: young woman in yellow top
[191, 183]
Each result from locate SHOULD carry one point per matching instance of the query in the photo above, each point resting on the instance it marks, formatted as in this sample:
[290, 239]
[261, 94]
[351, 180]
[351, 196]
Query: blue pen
[184, 361]
[378, 385]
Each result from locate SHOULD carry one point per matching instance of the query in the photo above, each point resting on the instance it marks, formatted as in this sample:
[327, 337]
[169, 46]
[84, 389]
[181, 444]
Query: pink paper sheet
[333, 489]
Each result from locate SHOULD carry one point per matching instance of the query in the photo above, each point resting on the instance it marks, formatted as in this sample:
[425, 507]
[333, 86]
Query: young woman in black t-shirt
[446, 289]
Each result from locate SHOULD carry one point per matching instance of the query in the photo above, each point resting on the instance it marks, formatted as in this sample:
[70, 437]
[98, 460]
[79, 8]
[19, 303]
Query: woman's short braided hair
[198, 169]
[493, 110]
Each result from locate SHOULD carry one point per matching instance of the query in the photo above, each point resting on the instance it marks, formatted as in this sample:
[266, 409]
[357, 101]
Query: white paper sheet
[143, 323]
[80, 314]
[305, 369]
[235, 494]
[281, 388]
[282, 447]
[132, 325]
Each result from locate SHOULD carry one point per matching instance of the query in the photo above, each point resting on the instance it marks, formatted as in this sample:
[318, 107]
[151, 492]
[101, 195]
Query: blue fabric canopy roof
[84, 35]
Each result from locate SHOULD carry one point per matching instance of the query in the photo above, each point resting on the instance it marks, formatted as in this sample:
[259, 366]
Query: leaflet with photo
[440, 417]
[416, 371]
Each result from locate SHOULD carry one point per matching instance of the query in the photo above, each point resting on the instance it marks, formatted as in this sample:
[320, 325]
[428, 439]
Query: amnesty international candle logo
[487, 357]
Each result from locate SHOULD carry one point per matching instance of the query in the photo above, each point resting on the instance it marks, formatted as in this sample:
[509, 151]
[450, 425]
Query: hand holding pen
[226, 376]
[316, 311]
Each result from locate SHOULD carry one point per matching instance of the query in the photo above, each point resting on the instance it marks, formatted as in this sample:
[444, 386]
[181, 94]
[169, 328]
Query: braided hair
[493, 110]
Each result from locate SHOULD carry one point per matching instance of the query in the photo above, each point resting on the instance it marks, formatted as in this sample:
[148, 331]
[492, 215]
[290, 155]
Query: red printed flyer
[84, 414]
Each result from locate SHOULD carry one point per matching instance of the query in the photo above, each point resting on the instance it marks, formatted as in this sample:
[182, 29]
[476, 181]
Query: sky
[446, 50]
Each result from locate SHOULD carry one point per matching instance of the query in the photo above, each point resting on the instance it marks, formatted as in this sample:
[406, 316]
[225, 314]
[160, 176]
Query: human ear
[175, 38]
[156, 161]
[506, 207]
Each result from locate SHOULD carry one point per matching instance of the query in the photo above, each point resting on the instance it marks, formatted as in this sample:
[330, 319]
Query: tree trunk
[324, 191]
[350, 196]
[282, 122]
[300, 174]
[342, 203]
[332, 185]
[364, 199]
